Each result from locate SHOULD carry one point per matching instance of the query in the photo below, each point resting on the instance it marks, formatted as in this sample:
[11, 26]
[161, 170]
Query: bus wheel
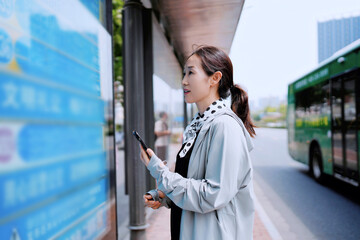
[316, 165]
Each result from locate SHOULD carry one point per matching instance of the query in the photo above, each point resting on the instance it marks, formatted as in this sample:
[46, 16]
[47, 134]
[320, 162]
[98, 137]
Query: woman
[211, 193]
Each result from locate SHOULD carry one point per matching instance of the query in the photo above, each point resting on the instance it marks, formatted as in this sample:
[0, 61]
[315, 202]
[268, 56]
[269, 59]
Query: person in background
[162, 136]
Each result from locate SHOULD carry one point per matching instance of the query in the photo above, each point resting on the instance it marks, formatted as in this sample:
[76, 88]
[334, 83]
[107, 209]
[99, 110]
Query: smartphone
[143, 145]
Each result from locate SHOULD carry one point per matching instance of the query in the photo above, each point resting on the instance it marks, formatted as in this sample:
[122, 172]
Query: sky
[276, 42]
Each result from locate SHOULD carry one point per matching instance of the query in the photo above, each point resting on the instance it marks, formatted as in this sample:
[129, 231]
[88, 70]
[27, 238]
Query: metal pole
[112, 166]
[148, 85]
[134, 113]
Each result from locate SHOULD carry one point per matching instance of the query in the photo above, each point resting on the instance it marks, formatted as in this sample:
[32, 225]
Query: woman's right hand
[151, 203]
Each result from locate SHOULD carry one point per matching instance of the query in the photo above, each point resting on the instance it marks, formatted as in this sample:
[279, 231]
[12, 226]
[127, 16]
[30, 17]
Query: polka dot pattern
[197, 122]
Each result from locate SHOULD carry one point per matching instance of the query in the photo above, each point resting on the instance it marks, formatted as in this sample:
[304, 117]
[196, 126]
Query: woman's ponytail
[240, 106]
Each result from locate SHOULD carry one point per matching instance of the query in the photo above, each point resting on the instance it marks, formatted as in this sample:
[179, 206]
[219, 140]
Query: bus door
[344, 126]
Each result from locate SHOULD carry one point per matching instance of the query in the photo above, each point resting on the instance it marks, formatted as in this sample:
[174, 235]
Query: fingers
[150, 203]
[143, 156]
[150, 152]
[147, 197]
[156, 205]
[146, 155]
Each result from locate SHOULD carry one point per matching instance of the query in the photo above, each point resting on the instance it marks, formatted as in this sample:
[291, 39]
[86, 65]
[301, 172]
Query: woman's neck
[203, 104]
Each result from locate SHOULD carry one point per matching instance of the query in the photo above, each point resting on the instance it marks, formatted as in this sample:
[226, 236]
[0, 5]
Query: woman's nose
[184, 81]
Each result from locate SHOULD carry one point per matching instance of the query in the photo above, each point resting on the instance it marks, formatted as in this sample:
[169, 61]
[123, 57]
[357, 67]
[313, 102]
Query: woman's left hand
[144, 157]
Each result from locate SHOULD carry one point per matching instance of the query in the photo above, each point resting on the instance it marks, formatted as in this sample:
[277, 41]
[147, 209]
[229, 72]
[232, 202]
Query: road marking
[270, 227]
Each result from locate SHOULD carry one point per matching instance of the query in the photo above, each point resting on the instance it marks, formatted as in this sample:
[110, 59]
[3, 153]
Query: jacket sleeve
[166, 202]
[226, 168]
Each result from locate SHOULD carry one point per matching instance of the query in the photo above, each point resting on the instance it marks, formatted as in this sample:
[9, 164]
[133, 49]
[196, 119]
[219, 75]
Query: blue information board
[55, 111]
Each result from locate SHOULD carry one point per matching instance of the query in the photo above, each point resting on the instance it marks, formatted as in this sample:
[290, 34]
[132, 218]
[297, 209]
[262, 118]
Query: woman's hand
[151, 203]
[144, 157]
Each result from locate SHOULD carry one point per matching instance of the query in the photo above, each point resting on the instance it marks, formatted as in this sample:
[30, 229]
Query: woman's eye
[190, 72]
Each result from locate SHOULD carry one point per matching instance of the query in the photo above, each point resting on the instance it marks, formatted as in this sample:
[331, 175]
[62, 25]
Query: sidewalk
[160, 226]
[160, 220]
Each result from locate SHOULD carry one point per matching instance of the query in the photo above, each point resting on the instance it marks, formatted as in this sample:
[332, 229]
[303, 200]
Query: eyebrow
[189, 67]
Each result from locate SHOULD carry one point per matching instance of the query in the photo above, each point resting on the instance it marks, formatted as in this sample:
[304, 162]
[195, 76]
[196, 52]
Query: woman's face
[196, 83]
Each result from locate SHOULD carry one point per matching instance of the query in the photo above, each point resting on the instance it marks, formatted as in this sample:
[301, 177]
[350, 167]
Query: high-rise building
[334, 34]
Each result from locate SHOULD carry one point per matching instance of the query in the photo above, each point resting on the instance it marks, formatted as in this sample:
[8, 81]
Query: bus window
[336, 103]
[313, 103]
[350, 131]
[349, 101]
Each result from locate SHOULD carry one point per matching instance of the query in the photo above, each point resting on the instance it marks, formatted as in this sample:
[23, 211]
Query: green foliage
[117, 38]
[118, 127]
[270, 109]
[283, 109]
[265, 116]
[117, 41]
[256, 117]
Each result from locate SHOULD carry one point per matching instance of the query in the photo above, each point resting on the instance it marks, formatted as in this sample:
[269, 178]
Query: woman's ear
[215, 78]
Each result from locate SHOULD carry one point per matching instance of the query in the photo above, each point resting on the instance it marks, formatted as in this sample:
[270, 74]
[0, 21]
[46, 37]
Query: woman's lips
[186, 91]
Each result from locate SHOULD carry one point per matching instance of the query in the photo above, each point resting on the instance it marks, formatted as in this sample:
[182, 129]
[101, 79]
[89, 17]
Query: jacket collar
[227, 111]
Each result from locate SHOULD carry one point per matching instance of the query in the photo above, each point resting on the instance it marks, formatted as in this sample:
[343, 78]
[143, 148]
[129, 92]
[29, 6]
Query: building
[336, 33]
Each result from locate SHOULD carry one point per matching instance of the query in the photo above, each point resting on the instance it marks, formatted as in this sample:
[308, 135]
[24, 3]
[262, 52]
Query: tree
[283, 108]
[117, 42]
[269, 109]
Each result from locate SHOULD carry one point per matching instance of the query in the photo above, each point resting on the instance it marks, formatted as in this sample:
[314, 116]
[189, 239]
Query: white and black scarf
[197, 122]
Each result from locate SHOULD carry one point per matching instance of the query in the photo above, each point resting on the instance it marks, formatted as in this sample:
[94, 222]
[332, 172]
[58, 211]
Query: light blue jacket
[217, 195]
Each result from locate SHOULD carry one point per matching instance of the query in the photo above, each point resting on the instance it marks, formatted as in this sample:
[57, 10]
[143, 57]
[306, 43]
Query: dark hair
[161, 114]
[212, 60]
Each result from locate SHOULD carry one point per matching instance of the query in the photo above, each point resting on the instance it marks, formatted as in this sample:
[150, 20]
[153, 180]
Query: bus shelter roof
[187, 23]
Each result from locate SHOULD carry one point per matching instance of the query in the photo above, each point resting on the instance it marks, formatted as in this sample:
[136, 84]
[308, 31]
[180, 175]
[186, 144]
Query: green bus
[323, 117]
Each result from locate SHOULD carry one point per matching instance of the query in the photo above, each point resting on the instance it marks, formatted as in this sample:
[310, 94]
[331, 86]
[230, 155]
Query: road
[297, 206]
